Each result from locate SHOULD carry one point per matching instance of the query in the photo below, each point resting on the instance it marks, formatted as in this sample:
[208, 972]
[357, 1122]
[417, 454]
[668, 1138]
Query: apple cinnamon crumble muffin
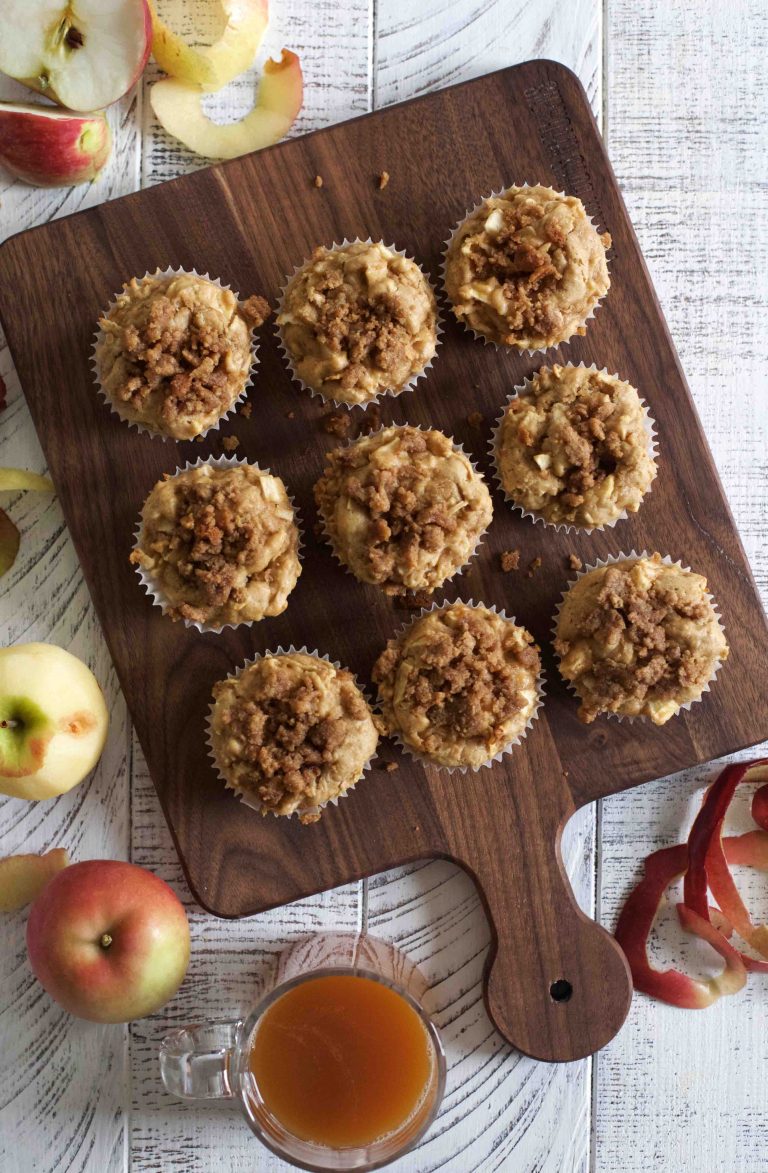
[403, 508]
[358, 319]
[527, 268]
[219, 545]
[174, 352]
[639, 637]
[291, 732]
[459, 684]
[574, 448]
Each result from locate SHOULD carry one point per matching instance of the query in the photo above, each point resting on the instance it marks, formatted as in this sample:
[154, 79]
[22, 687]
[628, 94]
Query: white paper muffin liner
[250, 800]
[385, 392]
[610, 561]
[526, 388]
[157, 596]
[460, 570]
[100, 337]
[520, 350]
[541, 681]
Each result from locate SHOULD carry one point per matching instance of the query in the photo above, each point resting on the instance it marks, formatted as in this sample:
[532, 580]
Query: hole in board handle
[561, 990]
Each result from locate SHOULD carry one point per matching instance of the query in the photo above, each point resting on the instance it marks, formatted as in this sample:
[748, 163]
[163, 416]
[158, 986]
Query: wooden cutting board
[249, 222]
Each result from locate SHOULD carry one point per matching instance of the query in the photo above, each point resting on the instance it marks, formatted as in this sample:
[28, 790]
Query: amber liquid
[342, 1061]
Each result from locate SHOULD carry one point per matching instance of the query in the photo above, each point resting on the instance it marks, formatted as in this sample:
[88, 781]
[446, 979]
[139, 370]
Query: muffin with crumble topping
[218, 544]
[527, 268]
[639, 637]
[403, 508]
[358, 320]
[290, 733]
[174, 354]
[459, 685]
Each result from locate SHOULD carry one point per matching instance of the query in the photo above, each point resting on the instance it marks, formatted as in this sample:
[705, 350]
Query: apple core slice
[178, 109]
[23, 877]
[83, 54]
[215, 65]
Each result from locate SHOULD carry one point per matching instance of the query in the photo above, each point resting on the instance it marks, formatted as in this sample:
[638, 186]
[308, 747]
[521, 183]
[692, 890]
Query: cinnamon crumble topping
[220, 545]
[640, 638]
[403, 508]
[509, 560]
[459, 685]
[527, 268]
[175, 353]
[357, 320]
[291, 732]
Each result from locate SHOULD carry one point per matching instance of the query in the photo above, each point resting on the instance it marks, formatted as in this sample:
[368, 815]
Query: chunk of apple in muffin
[212, 66]
[178, 109]
[23, 877]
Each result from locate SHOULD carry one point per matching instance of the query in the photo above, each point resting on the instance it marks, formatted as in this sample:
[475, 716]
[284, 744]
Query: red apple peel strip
[708, 864]
[634, 928]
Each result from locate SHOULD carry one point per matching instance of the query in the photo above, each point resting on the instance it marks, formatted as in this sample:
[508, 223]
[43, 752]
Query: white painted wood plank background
[685, 104]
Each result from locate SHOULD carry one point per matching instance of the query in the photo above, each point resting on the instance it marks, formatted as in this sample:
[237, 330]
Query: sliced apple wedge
[49, 147]
[20, 480]
[178, 109]
[23, 877]
[215, 65]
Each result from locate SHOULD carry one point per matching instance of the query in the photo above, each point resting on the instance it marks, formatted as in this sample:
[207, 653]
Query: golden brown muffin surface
[358, 320]
[174, 352]
[291, 732]
[527, 268]
[459, 684]
[639, 638]
[403, 508]
[574, 448]
[220, 544]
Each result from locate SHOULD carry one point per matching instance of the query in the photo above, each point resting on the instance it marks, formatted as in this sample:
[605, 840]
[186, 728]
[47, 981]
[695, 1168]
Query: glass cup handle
[195, 1061]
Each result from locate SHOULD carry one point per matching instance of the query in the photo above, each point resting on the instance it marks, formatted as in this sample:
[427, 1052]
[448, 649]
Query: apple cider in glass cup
[338, 1068]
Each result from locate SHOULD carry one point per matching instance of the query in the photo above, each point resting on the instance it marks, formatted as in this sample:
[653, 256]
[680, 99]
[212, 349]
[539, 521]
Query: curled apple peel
[705, 862]
[215, 65]
[23, 877]
[178, 109]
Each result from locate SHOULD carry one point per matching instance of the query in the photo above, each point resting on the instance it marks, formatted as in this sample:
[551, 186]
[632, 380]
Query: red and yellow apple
[109, 941]
[178, 109]
[23, 877]
[53, 721]
[83, 54]
[212, 66]
[49, 147]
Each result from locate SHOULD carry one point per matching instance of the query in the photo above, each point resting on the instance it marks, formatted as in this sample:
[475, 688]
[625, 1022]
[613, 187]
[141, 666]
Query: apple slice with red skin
[23, 877]
[178, 109]
[109, 941]
[48, 147]
[214, 65]
[83, 54]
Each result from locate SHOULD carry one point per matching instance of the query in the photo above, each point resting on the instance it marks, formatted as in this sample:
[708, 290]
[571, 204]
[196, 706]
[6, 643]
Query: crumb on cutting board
[533, 566]
[230, 443]
[383, 180]
[336, 423]
[575, 562]
[318, 181]
[509, 559]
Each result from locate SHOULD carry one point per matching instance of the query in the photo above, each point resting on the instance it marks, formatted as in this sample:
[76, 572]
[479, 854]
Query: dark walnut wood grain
[249, 222]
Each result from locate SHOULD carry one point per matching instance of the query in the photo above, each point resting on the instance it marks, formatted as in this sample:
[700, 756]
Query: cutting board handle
[557, 985]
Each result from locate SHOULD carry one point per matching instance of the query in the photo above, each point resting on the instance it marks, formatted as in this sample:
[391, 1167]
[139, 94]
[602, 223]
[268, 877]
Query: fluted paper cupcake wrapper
[158, 596]
[100, 338]
[410, 590]
[387, 391]
[509, 747]
[525, 388]
[250, 800]
[521, 350]
[611, 561]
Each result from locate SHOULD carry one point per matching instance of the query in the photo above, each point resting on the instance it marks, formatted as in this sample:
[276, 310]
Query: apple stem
[105, 941]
